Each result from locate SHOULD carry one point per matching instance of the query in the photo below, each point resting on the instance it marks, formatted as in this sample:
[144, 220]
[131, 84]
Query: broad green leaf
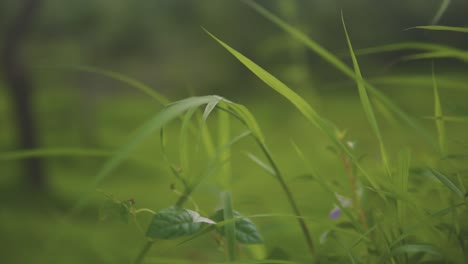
[447, 182]
[246, 231]
[174, 222]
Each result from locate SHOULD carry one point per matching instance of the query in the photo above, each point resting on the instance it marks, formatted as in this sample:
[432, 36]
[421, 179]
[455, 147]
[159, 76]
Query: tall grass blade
[402, 184]
[443, 28]
[440, 11]
[333, 60]
[151, 126]
[439, 116]
[311, 115]
[223, 139]
[365, 101]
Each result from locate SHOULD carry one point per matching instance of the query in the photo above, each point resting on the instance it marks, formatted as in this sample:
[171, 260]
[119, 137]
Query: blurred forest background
[161, 43]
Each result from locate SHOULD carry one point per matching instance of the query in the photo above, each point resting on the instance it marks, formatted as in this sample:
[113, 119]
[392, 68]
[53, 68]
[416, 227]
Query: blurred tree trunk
[19, 82]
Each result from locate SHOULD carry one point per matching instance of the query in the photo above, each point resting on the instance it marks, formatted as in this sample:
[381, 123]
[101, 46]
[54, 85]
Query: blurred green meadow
[90, 63]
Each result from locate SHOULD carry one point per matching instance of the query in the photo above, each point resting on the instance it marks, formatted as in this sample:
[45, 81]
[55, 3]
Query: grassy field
[368, 170]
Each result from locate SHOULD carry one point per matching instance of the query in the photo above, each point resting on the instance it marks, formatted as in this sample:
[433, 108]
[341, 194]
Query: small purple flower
[336, 211]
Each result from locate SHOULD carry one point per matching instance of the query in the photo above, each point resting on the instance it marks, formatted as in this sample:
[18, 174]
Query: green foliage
[174, 222]
[246, 232]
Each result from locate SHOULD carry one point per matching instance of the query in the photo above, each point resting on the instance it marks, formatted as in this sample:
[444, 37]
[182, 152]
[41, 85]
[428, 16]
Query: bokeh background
[161, 43]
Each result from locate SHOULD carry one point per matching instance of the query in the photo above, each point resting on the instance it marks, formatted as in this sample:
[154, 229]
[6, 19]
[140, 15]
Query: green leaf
[125, 79]
[440, 11]
[246, 231]
[415, 248]
[168, 114]
[174, 222]
[365, 101]
[443, 28]
[439, 116]
[447, 182]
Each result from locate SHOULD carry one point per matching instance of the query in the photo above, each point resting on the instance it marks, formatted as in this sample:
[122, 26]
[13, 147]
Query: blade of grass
[311, 115]
[365, 101]
[151, 126]
[440, 11]
[225, 180]
[262, 164]
[442, 28]
[333, 60]
[184, 150]
[439, 116]
[430, 47]
[402, 184]
[447, 182]
[122, 78]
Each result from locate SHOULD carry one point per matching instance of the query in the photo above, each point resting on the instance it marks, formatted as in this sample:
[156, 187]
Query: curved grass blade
[365, 101]
[430, 47]
[122, 78]
[442, 28]
[154, 124]
[462, 55]
[184, 149]
[333, 60]
[447, 182]
[311, 115]
[415, 248]
[262, 164]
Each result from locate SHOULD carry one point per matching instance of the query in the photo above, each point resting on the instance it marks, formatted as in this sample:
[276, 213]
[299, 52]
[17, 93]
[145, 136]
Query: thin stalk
[230, 227]
[356, 198]
[143, 252]
[289, 195]
[284, 186]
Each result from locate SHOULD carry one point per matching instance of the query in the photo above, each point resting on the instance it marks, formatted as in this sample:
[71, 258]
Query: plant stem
[230, 227]
[143, 252]
[357, 199]
[292, 202]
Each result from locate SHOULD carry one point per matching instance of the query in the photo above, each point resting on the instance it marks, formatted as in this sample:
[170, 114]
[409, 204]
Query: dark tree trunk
[19, 82]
